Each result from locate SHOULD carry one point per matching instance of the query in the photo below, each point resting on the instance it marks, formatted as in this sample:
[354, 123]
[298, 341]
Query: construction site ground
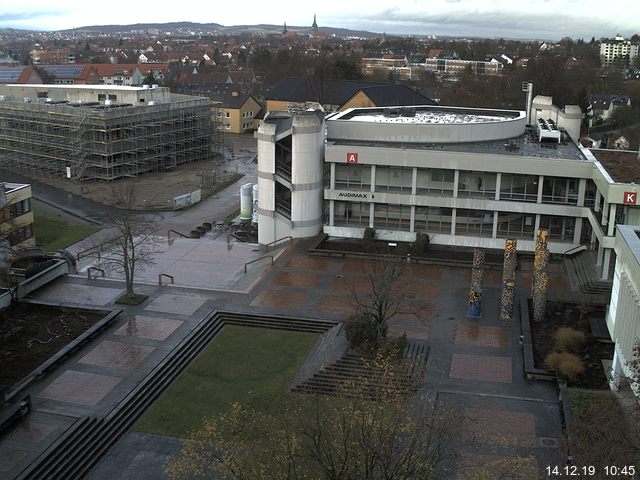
[158, 190]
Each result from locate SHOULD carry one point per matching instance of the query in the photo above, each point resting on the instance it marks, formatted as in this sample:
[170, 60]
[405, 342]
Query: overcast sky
[535, 19]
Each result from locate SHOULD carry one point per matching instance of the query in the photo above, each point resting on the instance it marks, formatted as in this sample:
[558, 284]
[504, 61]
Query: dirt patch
[31, 333]
[592, 352]
[159, 188]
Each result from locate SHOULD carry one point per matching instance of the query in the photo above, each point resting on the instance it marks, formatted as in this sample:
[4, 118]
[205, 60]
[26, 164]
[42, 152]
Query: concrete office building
[467, 177]
[16, 217]
[95, 132]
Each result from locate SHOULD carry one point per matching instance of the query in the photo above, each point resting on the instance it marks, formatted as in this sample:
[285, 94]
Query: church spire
[314, 25]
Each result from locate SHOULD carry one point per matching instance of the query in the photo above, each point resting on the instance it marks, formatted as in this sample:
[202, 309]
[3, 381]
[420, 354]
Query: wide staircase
[587, 278]
[88, 439]
[352, 375]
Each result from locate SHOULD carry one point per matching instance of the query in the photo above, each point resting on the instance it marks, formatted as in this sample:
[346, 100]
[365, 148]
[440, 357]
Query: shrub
[568, 339]
[369, 238]
[361, 333]
[567, 365]
[421, 244]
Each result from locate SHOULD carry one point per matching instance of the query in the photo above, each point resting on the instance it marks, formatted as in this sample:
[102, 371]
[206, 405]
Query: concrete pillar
[536, 227]
[596, 205]
[475, 290]
[498, 182]
[540, 185]
[456, 179]
[332, 212]
[599, 256]
[605, 264]
[373, 178]
[494, 231]
[508, 279]
[414, 182]
[612, 219]
[412, 225]
[453, 221]
[540, 283]
[617, 374]
[372, 206]
[332, 179]
[577, 230]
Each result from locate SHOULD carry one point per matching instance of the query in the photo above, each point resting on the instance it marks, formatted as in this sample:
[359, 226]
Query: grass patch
[135, 299]
[248, 365]
[606, 433]
[53, 233]
[229, 218]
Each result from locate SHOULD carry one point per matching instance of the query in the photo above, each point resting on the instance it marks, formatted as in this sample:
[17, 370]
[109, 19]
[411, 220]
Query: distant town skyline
[540, 19]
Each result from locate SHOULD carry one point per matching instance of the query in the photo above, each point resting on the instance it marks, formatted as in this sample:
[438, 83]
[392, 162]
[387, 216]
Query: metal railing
[176, 232]
[90, 269]
[257, 259]
[289, 238]
[573, 250]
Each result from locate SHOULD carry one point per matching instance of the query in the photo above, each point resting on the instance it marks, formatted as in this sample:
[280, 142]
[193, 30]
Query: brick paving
[487, 368]
[474, 366]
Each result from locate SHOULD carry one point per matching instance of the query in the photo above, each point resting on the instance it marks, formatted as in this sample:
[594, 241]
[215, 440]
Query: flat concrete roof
[623, 166]
[519, 147]
[422, 115]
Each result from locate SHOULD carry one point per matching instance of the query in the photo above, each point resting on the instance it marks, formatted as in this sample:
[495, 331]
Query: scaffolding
[103, 142]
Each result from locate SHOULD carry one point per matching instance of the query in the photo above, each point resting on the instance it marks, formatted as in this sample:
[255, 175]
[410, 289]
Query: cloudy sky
[539, 19]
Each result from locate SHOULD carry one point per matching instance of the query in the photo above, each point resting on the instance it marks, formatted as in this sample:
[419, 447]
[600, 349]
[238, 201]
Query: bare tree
[386, 436]
[134, 245]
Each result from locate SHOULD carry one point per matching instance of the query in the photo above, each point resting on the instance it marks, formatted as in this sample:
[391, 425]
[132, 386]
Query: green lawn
[247, 365]
[53, 233]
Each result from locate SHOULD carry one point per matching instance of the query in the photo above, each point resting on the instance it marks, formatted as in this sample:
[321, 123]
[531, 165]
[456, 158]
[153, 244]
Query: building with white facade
[466, 176]
[618, 51]
[623, 316]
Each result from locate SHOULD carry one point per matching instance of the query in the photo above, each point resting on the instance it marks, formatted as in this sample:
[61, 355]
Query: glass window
[435, 180]
[476, 184]
[522, 188]
[392, 217]
[351, 213]
[560, 190]
[433, 219]
[354, 177]
[560, 228]
[515, 225]
[477, 223]
[394, 179]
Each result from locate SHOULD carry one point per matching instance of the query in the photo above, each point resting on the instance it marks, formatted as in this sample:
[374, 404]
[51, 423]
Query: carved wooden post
[475, 291]
[540, 284]
[508, 279]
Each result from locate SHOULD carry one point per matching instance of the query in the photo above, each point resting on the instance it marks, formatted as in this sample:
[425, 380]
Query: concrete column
[617, 374]
[456, 179]
[453, 221]
[536, 227]
[582, 189]
[494, 231]
[599, 256]
[612, 219]
[414, 183]
[605, 264]
[373, 178]
[577, 230]
[540, 185]
[498, 182]
[596, 206]
[412, 225]
[332, 211]
[332, 180]
[372, 206]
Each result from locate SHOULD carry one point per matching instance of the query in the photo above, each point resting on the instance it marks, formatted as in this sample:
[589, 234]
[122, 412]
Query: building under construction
[95, 132]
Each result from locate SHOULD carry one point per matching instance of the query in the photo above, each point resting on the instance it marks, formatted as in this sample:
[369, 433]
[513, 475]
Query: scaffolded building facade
[103, 138]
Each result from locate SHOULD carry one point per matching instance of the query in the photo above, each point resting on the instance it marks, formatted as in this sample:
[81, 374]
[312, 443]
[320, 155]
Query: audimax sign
[364, 196]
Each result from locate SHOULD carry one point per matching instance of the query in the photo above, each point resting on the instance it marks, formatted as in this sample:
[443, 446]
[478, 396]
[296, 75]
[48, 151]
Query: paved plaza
[475, 366]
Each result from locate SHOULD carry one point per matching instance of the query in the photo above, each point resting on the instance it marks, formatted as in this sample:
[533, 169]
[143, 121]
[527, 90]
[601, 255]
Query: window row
[15, 210]
[476, 223]
[523, 188]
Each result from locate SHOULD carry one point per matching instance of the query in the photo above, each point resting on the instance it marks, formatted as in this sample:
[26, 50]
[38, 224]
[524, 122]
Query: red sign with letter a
[352, 157]
[630, 198]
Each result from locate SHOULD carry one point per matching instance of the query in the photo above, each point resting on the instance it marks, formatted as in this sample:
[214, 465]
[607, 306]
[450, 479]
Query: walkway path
[475, 365]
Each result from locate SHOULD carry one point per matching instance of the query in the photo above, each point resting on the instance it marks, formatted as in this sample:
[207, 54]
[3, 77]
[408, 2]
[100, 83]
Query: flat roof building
[86, 132]
[466, 176]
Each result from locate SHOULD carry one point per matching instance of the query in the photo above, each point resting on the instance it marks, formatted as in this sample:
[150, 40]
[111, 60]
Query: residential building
[466, 176]
[19, 74]
[84, 132]
[618, 51]
[294, 94]
[604, 105]
[68, 74]
[16, 217]
[237, 113]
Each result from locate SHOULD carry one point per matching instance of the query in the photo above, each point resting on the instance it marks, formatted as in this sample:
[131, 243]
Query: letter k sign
[630, 198]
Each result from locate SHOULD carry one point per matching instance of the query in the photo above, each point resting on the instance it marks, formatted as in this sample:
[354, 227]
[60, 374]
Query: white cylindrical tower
[246, 204]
